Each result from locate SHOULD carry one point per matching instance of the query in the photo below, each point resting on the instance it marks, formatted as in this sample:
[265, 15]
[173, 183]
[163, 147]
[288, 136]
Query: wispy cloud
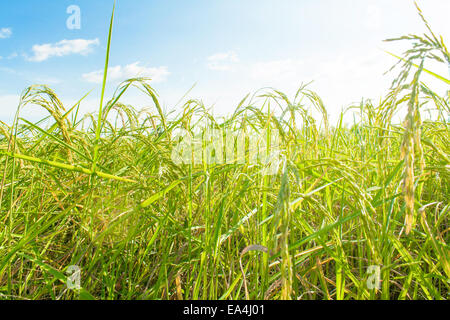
[5, 33]
[223, 61]
[48, 80]
[119, 73]
[62, 48]
[9, 70]
[11, 56]
[339, 80]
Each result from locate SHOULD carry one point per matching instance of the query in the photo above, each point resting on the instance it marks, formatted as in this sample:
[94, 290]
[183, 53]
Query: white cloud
[222, 61]
[9, 70]
[48, 80]
[120, 73]
[340, 79]
[11, 56]
[43, 52]
[5, 33]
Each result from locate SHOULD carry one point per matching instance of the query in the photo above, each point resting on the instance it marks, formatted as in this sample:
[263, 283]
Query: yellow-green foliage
[103, 193]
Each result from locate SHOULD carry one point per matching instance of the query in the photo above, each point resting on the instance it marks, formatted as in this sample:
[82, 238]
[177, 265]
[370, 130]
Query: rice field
[270, 202]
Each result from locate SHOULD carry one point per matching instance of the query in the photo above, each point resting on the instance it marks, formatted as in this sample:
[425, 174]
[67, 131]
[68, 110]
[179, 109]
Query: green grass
[102, 192]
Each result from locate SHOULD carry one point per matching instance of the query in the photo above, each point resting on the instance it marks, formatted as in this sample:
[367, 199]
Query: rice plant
[114, 194]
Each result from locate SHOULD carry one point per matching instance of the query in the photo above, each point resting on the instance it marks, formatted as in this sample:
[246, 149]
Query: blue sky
[228, 48]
